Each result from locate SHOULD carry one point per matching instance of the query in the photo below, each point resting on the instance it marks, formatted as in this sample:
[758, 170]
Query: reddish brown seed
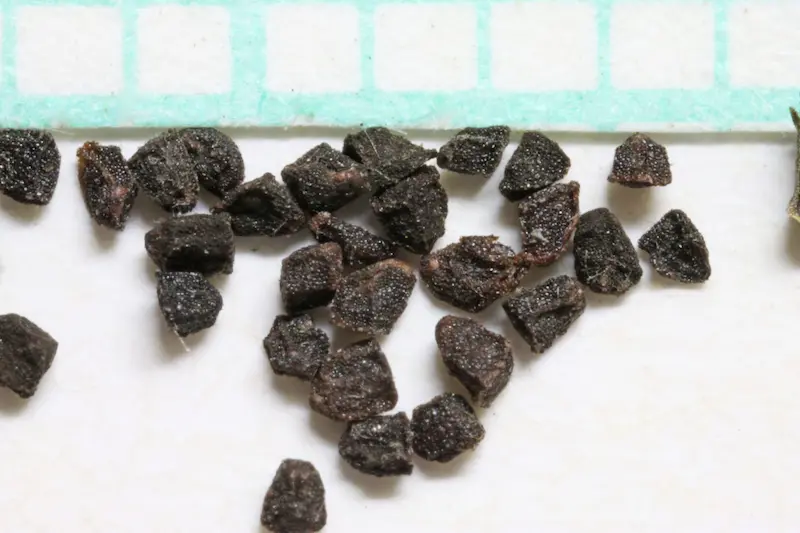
[641, 162]
[548, 219]
[108, 186]
[310, 276]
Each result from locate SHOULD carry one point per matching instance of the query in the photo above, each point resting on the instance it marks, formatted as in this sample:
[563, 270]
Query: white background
[670, 409]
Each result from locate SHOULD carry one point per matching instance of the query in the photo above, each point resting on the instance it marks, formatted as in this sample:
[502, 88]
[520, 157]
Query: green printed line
[248, 49]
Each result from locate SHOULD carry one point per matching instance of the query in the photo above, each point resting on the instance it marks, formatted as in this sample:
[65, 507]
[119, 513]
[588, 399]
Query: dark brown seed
[262, 206]
[474, 272]
[537, 163]
[544, 313]
[165, 171]
[414, 211]
[217, 160]
[677, 249]
[26, 353]
[29, 165]
[310, 277]
[192, 243]
[641, 162]
[354, 383]
[475, 151]
[108, 186]
[379, 446]
[548, 219]
[296, 347]
[444, 428]
[372, 299]
[295, 501]
[793, 210]
[605, 259]
[360, 248]
[188, 301]
[480, 359]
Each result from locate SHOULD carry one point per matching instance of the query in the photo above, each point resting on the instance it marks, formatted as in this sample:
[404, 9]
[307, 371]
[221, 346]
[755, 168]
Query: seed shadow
[373, 487]
[10, 403]
[628, 204]
[663, 283]
[435, 470]
[341, 337]
[462, 185]
[603, 300]
[509, 214]
[147, 211]
[291, 388]
[327, 429]
[25, 213]
[105, 238]
[273, 246]
[792, 240]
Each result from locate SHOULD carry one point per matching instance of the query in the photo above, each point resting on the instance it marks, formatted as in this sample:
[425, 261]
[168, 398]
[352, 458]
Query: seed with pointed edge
[548, 219]
[444, 428]
[188, 301]
[475, 151]
[379, 446]
[360, 248]
[537, 163]
[26, 353]
[295, 501]
[192, 243]
[677, 248]
[310, 276]
[29, 165]
[166, 172]
[108, 187]
[296, 347]
[217, 160]
[640, 162]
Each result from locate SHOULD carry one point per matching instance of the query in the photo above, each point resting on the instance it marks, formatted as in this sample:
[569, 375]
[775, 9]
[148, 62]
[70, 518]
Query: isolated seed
[295, 346]
[475, 151]
[794, 204]
[192, 243]
[188, 301]
[444, 428]
[310, 277]
[26, 353]
[217, 160]
[295, 501]
[548, 219]
[165, 171]
[29, 165]
[359, 247]
[537, 163]
[379, 446]
[641, 162]
[677, 249]
[108, 187]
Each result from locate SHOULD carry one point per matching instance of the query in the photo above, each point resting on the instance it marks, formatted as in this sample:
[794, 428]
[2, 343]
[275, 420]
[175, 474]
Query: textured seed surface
[605, 259]
[677, 248]
[480, 359]
[548, 219]
[537, 163]
[310, 276]
[262, 206]
[295, 501]
[26, 353]
[640, 162]
[474, 272]
[325, 179]
[354, 383]
[794, 203]
[192, 243]
[108, 187]
[360, 248]
[475, 150]
[295, 346]
[371, 300]
[217, 160]
[414, 211]
[544, 313]
[29, 165]
[188, 301]
[379, 446]
[166, 172]
[444, 428]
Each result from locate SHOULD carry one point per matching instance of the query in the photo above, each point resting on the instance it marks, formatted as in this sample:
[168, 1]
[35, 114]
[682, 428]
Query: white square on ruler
[543, 46]
[184, 50]
[662, 45]
[764, 44]
[425, 47]
[64, 50]
[313, 48]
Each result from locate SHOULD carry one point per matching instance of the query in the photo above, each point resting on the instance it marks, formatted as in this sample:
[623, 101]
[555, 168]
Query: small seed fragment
[165, 171]
[26, 353]
[360, 248]
[296, 347]
[537, 163]
[354, 383]
[192, 243]
[548, 219]
[29, 165]
[640, 162]
[372, 299]
[310, 276]
[295, 501]
[379, 446]
[188, 301]
[217, 160]
[444, 428]
[794, 204]
[677, 248]
[476, 151]
[108, 186]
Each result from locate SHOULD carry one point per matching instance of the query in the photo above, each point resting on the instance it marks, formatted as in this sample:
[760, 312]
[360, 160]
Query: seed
[295, 501]
[165, 171]
[475, 151]
[310, 276]
[480, 359]
[548, 219]
[677, 248]
[372, 299]
[296, 347]
[605, 259]
[217, 160]
[474, 272]
[444, 428]
[26, 353]
[354, 383]
[379, 446]
[108, 187]
[537, 163]
[30, 165]
[360, 248]
[192, 243]
[544, 313]
[188, 301]
[794, 204]
[641, 162]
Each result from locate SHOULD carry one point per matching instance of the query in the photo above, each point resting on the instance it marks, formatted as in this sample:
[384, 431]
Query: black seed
[794, 203]
[295, 501]
[165, 171]
[544, 313]
[192, 243]
[310, 276]
[444, 428]
[379, 446]
[360, 248]
[217, 160]
[677, 248]
[413, 212]
[641, 162]
[605, 259]
[188, 301]
[537, 163]
[262, 206]
[475, 150]
[474, 272]
[108, 186]
[480, 359]
[548, 219]
[354, 383]
[26, 353]
[372, 299]
[296, 347]
[29, 165]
